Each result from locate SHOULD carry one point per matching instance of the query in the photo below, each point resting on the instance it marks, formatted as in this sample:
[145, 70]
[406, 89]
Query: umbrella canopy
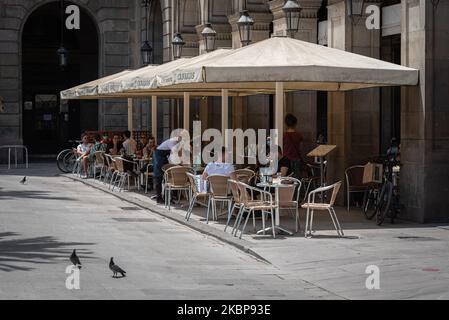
[89, 89]
[300, 65]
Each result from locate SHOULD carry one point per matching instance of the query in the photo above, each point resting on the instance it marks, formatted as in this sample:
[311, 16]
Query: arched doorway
[47, 123]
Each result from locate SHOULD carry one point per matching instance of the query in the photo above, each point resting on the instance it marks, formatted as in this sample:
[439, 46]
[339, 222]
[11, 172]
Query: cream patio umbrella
[283, 64]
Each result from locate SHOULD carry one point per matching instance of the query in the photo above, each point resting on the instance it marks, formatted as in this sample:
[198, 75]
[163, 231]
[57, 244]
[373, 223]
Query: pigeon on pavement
[23, 180]
[116, 269]
[75, 260]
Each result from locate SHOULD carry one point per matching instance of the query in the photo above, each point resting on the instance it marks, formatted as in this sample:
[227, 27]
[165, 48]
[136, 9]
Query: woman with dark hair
[293, 144]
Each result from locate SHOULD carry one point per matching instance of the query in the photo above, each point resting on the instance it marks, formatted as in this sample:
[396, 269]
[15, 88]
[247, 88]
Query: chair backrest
[288, 194]
[244, 175]
[177, 176]
[192, 181]
[218, 185]
[167, 166]
[119, 164]
[354, 176]
[336, 188]
[233, 185]
[244, 193]
[99, 158]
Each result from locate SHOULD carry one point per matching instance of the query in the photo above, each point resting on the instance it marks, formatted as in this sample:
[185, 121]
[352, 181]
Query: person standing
[293, 145]
[160, 158]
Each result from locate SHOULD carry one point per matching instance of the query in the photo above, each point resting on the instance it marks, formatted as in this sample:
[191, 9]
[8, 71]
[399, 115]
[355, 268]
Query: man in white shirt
[160, 158]
[130, 145]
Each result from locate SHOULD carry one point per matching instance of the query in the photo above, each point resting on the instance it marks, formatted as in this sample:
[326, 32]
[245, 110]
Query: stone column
[353, 117]
[425, 112]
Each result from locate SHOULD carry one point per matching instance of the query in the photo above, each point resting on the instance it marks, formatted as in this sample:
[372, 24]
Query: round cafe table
[276, 187]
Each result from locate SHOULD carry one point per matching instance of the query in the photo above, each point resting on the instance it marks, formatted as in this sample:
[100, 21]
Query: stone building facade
[414, 33]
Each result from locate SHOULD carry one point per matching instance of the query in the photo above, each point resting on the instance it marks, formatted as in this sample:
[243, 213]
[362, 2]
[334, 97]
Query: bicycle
[66, 159]
[383, 200]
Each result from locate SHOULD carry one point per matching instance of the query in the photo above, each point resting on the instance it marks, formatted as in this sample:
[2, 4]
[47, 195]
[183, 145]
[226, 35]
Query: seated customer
[98, 146]
[82, 153]
[220, 167]
[129, 144]
[284, 164]
[115, 146]
[141, 146]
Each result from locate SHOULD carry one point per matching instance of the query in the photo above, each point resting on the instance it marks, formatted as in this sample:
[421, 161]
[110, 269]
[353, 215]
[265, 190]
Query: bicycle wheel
[69, 162]
[369, 207]
[384, 202]
[60, 160]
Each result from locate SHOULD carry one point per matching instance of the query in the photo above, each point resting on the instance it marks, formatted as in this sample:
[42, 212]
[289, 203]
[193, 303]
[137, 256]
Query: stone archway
[47, 124]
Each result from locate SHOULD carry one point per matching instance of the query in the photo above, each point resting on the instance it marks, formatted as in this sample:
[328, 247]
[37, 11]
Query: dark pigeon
[116, 269]
[75, 260]
[23, 180]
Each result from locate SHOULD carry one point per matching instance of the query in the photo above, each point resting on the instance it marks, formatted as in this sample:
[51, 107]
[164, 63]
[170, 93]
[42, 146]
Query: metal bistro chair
[219, 192]
[250, 204]
[311, 206]
[99, 163]
[195, 195]
[289, 197]
[175, 178]
[121, 176]
[354, 182]
[110, 162]
[236, 200]
[314, 178]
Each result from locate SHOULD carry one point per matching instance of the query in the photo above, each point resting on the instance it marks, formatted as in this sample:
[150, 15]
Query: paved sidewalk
[42, 221]
[413, 259]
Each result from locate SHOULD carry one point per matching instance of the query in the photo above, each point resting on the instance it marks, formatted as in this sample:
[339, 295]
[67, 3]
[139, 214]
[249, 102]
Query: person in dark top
[293, 144]
[284, 165]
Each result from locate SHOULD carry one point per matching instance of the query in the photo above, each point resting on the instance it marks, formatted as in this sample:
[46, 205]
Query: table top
[274, 185]
[321, 151]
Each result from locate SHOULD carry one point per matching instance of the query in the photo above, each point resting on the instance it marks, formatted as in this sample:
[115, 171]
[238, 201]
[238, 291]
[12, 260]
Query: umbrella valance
[89, 89]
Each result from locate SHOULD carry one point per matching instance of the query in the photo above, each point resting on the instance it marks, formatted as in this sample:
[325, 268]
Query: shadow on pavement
[19, 254]
[42, 195]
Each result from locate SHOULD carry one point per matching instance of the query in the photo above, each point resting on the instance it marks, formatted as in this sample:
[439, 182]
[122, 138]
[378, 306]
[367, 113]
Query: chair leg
[263, 222]
[229, 216]
[348, 199]
[254, 221]
[189, 211]
[333, 221]
[209, 208]
[239, 214]
[246, 221]
[297, 219]
[338, 222]
[272, 224]
[307, 223]
[239, 221]
[311, 221]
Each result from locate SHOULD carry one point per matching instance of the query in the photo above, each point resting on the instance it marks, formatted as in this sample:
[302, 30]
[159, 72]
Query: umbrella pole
[224, 113]
[130, 114]
[279, 113]
[154, 116]
[187, 111]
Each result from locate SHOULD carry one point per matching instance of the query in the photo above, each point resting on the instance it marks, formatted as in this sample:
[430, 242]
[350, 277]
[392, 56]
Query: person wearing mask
[293, 145]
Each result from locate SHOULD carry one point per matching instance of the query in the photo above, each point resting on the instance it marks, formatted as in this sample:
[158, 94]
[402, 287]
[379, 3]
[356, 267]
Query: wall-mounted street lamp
[146, 50]
[209, 36]
[292, 11]
[177, 43]
[62, 51]
[246, 25]
[354, 8]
